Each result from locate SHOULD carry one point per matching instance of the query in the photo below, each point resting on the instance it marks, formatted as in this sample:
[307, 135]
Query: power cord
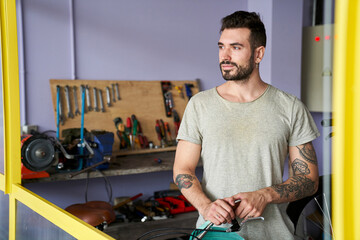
[108, 186]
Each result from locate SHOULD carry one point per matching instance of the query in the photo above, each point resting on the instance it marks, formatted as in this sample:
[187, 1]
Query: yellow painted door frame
[346, 102]
[10, 182]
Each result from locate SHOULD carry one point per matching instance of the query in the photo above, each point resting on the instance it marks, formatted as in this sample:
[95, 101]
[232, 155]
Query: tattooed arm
[305, 179]
[186, 159]
[303, 182]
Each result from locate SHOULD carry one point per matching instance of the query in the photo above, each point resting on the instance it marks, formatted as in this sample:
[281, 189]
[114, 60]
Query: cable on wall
[21, 50]
[72, 40]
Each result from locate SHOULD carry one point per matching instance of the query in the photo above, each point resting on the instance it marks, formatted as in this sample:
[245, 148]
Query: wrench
[108, 96]
[113, 92]
[95, 100]
[101, 101]
[88, 100]
[77, 112]
[61, 116]
[117, 91]
[82, 89]
[68, 103]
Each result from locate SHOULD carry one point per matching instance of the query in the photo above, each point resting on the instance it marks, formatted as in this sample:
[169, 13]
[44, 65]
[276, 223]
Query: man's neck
[243, 90]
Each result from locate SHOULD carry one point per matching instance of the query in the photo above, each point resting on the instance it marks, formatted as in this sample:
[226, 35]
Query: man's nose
[225, 55]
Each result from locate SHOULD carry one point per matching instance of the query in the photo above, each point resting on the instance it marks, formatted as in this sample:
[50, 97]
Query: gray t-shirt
[244, 147]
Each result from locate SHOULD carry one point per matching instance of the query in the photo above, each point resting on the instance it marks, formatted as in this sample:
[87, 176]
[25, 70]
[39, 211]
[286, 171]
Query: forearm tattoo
[184, 181]
[308, 153]
[299, 187]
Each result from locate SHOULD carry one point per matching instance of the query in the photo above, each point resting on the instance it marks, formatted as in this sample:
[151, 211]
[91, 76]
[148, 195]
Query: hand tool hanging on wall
[160, 133]
[169, 103]
[88, 100]
[140, 138]
[163, 132]
[135, 139]
[83, 100]
[60, 115]
[168, 131]
[166, 88]
[188, 87]
[120, 131]
[101, 101]
[95, 100]
[108, 98]
[77, 112]
[176, 121]
[117, 91]
[128, 131]
[180, 91]
[67, 95]
[113, 92]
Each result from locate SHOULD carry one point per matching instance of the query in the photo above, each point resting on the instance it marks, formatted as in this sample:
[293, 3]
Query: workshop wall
[114, 40]
[117, 40]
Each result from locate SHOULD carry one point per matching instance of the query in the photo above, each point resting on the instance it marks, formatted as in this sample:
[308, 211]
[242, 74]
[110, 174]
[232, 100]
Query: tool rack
[144, 99]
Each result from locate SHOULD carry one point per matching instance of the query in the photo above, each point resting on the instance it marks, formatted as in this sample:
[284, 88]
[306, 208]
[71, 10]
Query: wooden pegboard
[142, 98]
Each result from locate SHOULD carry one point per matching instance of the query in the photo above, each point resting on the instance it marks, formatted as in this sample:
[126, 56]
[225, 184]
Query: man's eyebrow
[232, 44]
[237, 44]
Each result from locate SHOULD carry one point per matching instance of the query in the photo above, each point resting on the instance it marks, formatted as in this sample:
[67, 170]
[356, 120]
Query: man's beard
[242, 73]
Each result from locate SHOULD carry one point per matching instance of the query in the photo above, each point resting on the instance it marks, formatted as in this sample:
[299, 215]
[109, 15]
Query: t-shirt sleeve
[189, 127]
[303, 126]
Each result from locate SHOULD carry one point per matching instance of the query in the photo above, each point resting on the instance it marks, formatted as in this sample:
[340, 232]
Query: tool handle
[157, 129]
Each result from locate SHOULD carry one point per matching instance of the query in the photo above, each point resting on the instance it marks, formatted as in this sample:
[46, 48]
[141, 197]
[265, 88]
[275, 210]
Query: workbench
[122, 165]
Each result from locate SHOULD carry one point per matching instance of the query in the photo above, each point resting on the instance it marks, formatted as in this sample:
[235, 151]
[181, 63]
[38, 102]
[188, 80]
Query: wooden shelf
[121, 165]
[144, 151]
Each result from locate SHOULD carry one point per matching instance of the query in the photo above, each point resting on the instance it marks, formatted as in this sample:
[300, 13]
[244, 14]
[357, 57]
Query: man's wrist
[267, 194]
[203, 206]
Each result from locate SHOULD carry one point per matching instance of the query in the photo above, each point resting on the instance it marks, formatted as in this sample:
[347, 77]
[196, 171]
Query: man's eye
[221, 47]
[236, 48]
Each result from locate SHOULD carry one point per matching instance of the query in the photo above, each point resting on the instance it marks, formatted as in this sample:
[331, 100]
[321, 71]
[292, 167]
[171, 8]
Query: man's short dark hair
[250, 20]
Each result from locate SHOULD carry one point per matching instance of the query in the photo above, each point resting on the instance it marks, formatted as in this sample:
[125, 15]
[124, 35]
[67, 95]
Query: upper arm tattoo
[308, 153]
[184, 181]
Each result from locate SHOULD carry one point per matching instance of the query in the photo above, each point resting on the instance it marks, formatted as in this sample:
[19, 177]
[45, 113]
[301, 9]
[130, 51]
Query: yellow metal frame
[2, 182]
[11, 99]
[346, 147]
[10, 182]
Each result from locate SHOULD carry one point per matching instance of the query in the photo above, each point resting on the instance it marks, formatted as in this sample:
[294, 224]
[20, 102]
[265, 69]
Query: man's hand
[219, 212]
[252, 204]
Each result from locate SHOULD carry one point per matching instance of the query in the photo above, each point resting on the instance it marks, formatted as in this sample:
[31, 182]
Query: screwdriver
[162, 129]
[157, 129]
[176, 121]
[128, 131]
[140, 138]
[135, 128]
[167, 129]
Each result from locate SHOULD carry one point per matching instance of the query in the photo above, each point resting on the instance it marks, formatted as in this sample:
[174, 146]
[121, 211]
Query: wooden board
[144, 99]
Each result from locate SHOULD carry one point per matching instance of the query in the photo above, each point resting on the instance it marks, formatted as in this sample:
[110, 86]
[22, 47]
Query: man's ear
[259, 54]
